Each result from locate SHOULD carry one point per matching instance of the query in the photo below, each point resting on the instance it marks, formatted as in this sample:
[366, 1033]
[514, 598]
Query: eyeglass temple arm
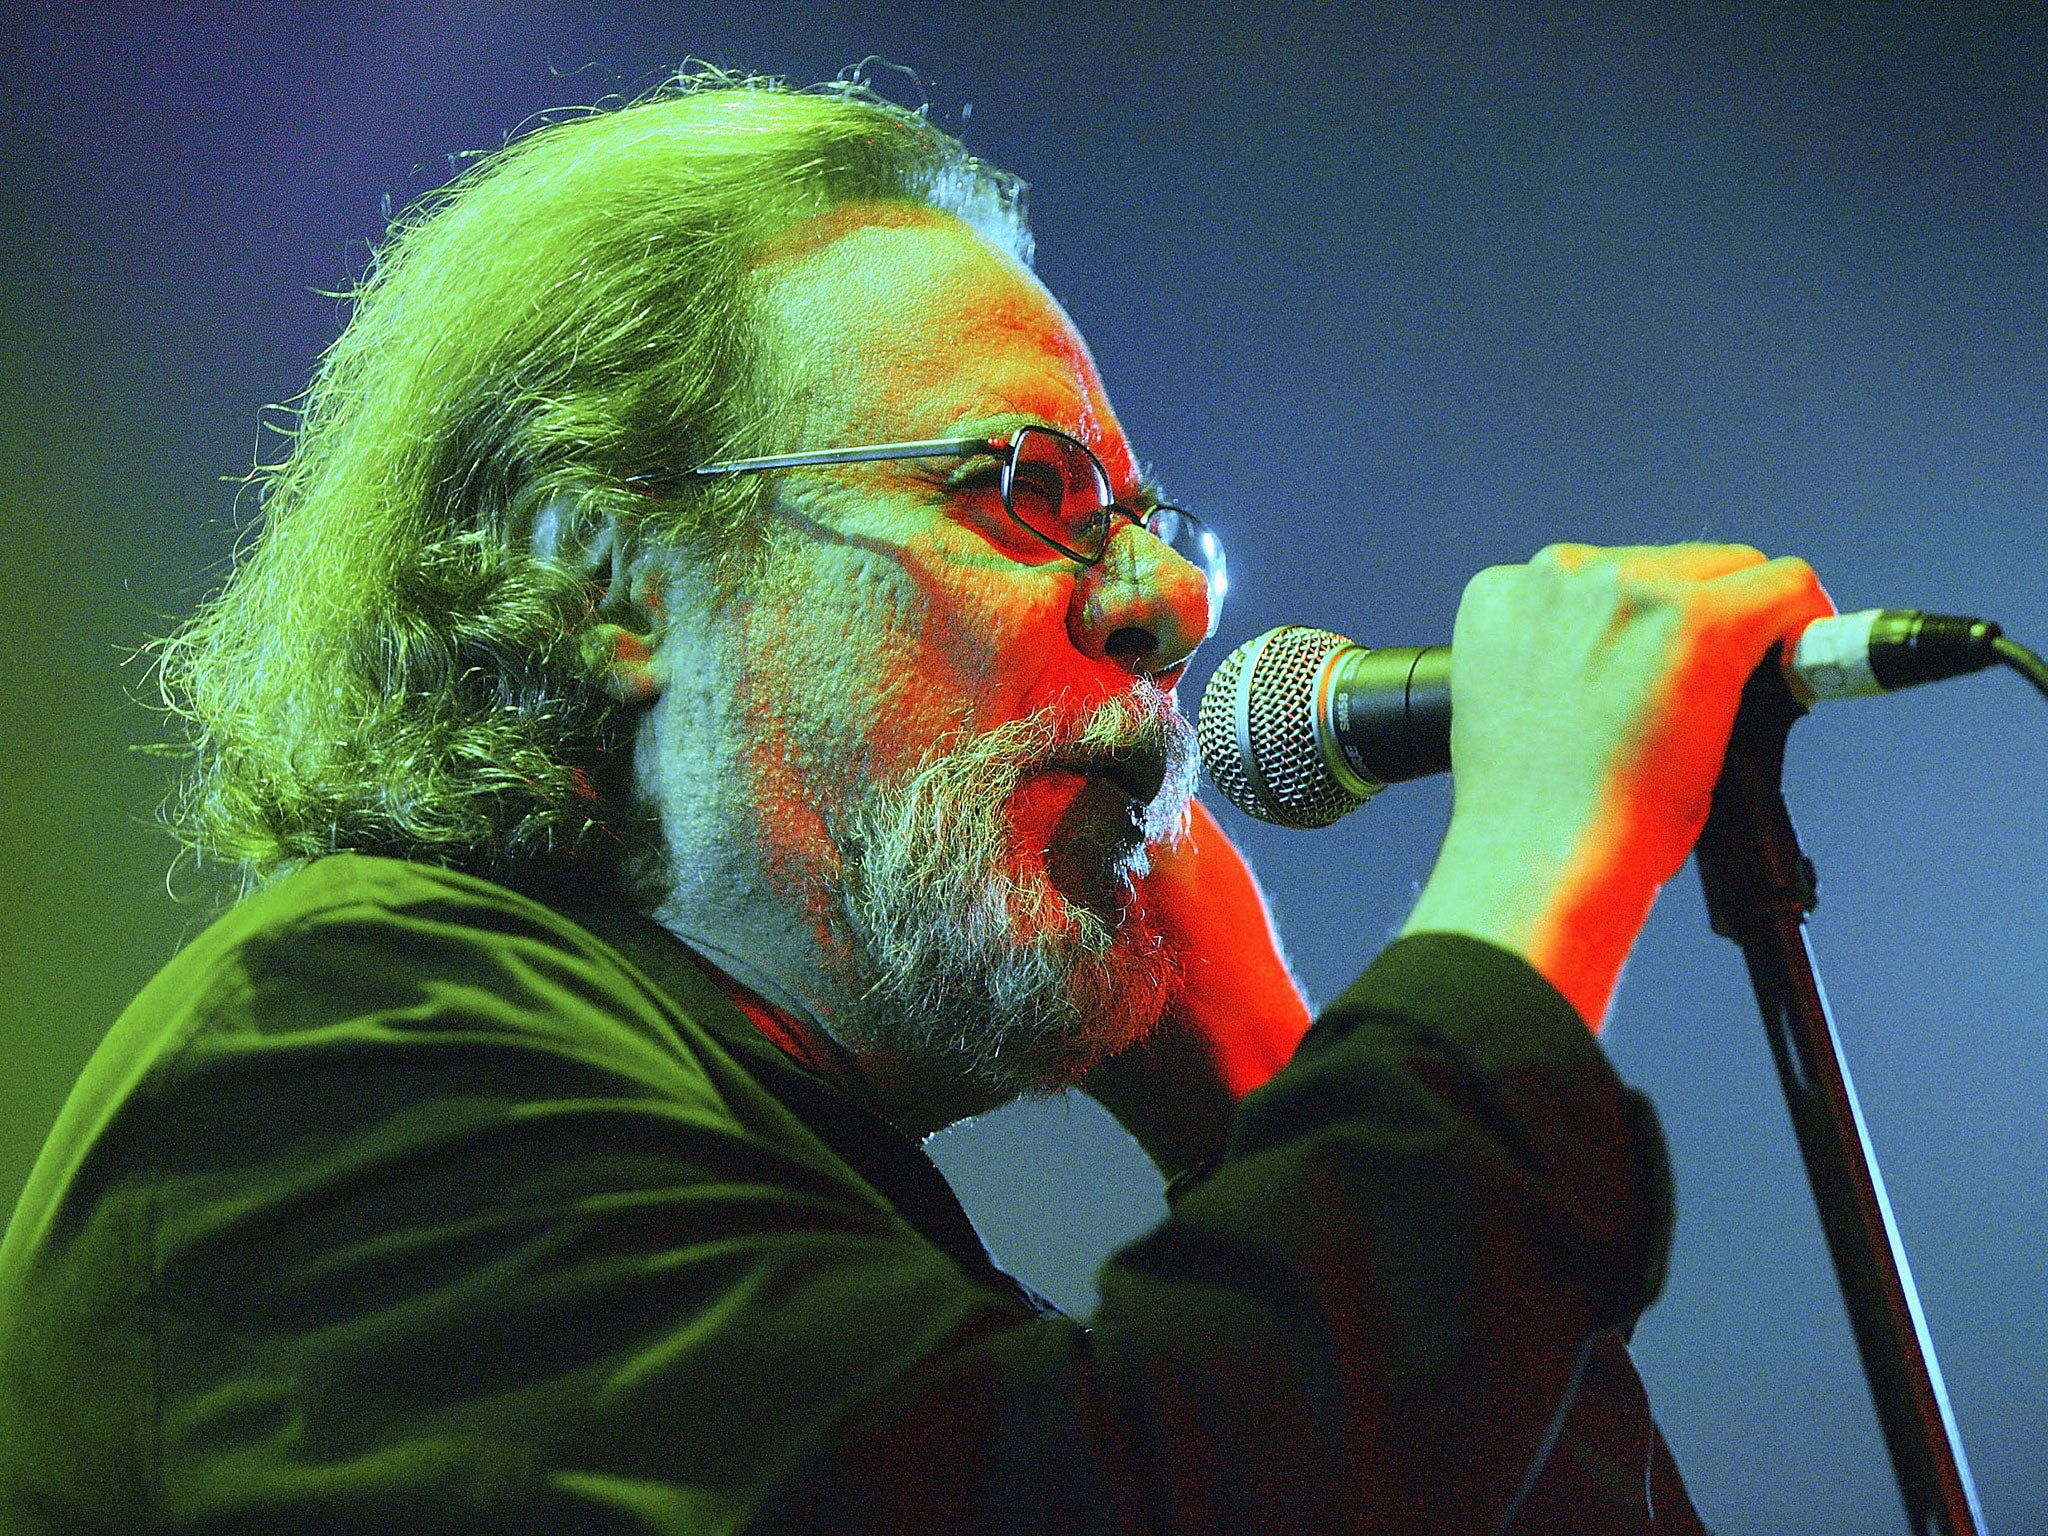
[930, 448]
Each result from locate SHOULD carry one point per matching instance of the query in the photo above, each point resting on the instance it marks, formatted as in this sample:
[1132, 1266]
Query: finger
[1651, 562]
[1702, 562]
[1761, 605]
[1568, 557]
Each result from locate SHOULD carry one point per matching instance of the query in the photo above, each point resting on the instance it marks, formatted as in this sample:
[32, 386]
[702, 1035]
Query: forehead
[891, 321]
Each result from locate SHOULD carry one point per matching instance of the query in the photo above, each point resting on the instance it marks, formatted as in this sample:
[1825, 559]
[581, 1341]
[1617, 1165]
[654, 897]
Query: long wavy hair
[389, 667]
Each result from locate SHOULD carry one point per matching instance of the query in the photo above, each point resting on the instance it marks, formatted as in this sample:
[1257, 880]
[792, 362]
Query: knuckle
[1799, 570]
[1488, 583]
[1563, 556]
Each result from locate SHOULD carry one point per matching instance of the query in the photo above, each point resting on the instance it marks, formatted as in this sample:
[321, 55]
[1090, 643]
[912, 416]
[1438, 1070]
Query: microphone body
[1300, 726]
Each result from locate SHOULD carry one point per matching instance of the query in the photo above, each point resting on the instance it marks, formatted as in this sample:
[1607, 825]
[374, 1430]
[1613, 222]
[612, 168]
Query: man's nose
[1141, 605]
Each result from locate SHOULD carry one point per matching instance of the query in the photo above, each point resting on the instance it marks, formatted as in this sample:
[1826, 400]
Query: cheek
[861, 660]
[994, 633]
[794, 705]
[839, 686]
[930, 638]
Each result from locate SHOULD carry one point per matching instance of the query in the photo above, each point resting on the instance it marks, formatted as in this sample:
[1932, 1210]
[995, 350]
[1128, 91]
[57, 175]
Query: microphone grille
[1257, 729]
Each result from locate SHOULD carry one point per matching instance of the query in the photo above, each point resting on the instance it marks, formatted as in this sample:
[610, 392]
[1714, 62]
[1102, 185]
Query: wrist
[1570, 905]
[1235, 1019]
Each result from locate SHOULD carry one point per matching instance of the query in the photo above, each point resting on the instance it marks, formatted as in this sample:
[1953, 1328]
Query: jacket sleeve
[1427, 1242]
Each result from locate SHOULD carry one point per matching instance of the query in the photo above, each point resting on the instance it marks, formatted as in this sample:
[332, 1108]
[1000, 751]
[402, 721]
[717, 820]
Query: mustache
[1026, 964]
[1139, 740]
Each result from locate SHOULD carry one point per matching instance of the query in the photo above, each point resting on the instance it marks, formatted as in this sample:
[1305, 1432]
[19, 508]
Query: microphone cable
[2022, 661]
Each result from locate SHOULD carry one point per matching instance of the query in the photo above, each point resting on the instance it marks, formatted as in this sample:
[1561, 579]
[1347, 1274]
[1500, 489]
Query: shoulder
[357, 963]
[358, 892]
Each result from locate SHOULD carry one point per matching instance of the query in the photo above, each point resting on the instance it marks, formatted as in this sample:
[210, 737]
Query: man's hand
[1239, 1015]
[1593, 693]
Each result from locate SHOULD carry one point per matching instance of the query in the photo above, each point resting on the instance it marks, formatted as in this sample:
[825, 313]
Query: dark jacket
[399, 1203]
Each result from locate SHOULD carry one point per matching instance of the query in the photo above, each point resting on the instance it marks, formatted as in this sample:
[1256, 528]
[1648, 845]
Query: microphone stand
[1759, 888]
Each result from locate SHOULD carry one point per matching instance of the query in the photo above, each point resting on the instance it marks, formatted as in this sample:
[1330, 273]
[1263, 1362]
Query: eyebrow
[1148, 489]
[1006, 422]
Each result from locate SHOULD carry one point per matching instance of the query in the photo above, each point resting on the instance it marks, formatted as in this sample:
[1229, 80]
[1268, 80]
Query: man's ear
[617, 638]
[622, 662]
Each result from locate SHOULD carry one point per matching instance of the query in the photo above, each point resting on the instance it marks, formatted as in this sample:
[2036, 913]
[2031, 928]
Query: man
[644, 859]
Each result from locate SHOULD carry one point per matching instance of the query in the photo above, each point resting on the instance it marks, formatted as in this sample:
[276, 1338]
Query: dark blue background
[1394, 297]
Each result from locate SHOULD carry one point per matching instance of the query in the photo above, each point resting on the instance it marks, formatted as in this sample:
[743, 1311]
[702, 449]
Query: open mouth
[1138, 770]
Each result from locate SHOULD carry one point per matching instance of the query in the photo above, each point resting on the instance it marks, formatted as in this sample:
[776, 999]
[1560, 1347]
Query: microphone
[1300, 726]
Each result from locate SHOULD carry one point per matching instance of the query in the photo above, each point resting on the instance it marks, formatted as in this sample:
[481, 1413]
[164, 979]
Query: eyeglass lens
[1195, 542]
[1059, 491]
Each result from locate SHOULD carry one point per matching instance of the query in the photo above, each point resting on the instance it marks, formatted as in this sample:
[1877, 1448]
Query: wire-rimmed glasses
[1054, 487]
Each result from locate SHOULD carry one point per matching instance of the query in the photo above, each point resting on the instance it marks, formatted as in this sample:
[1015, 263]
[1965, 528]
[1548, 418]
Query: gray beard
[964, 954]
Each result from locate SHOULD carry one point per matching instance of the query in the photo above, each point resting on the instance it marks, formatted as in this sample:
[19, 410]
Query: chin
[994, 929]
[1021, 989]
[1050, 1019]
[1116, 1003]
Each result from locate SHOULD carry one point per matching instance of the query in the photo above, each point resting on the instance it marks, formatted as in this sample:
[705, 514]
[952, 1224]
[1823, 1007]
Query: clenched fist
[1593, 692]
